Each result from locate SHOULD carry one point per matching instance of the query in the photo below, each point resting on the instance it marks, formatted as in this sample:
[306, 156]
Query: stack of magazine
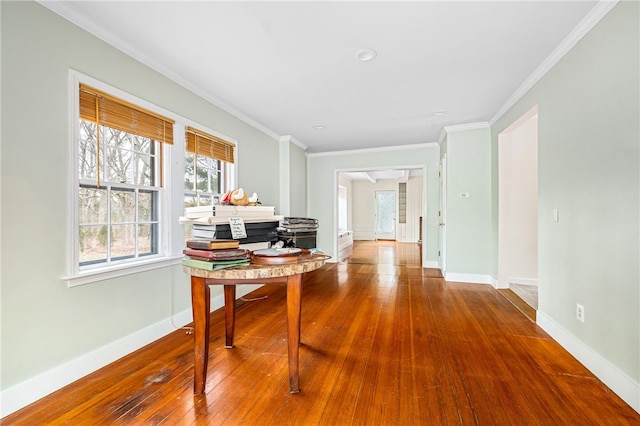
[215, 254]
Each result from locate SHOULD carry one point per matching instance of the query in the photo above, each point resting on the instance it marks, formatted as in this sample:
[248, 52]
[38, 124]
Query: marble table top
[253, 271]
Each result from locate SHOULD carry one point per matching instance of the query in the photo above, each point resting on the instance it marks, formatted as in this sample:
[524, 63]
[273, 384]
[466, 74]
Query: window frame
[170, 196]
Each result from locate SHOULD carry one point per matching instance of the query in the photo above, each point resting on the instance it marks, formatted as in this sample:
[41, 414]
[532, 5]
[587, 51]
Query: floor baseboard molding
[35, 388]
[621, 384]
[471, 278]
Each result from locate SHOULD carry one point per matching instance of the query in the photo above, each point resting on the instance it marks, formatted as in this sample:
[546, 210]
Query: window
[208, 167]
[120, 181]
[402, 202]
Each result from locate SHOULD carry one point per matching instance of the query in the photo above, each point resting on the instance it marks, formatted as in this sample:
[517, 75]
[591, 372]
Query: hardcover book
[221, 254]
[212, 266]
[213, 244]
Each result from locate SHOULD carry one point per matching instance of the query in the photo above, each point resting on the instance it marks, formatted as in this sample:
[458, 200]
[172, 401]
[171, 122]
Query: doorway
[518, 208]
[385, 215]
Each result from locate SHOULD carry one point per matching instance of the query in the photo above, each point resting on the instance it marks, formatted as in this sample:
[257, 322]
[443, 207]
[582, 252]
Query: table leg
[294, 293]
[229, 314]
[200, 302]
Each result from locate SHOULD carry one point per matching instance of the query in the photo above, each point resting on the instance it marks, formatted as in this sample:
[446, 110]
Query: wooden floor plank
[384, 342]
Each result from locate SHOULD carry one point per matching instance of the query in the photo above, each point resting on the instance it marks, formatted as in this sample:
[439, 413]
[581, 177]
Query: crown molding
[593, 17]
[465, 127]
[368, 150]
[62, 9]
[291, 139]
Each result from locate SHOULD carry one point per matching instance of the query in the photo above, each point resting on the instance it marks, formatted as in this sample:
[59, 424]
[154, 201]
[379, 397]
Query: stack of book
[215, 254]
[209, 222]
[298, 224]
[298, 232]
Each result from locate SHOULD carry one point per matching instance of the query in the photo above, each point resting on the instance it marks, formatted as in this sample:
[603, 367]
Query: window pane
[123, 241]
[119, 165]
[141, 144]
[93, 244]
[143, 170]
[213, 182]
[87, 150]
[117, 138]
[123, 203]
[203, 174]
[147, 239]
[190, 200]
[92, 206]
[146, 210]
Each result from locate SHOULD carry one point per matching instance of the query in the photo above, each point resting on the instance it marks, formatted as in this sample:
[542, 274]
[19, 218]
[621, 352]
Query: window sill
[88, 277]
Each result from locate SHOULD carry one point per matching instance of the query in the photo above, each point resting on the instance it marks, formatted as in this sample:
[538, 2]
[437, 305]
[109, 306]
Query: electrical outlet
[579, 312]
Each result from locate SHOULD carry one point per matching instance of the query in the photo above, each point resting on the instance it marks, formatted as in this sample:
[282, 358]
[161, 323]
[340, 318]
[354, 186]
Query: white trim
[289, 138]
[366, 150]
[470, 278]
[31, 390]
[120, 269]
[430, 264]
[468, 126]
[621, 384]
[523, 281]
[593, 17]
[443, 134]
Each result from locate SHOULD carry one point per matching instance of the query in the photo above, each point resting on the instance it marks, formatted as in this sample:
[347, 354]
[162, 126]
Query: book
[211, 220]
[212, 266]
[204, 233]
[213, 244]
[221, 254]
[229, 211]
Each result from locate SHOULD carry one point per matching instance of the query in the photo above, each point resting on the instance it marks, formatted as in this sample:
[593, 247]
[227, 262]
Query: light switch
[464, 195]
[556, 217]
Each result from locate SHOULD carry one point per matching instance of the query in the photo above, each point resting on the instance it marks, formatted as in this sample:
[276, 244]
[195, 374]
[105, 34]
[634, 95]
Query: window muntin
[200, 189]
[118, 200]
[209, 160]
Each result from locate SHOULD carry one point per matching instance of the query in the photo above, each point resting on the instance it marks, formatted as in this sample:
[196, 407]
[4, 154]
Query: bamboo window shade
[107, 110]
[201, 143]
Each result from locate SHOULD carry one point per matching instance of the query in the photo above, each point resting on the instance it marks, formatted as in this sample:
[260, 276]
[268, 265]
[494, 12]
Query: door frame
[442, 217]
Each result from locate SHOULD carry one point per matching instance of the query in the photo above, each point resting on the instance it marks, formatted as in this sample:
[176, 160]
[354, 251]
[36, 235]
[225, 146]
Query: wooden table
[201, 279]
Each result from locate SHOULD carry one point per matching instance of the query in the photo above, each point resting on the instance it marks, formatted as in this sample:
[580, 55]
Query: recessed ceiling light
[439, 113]
[365, 55]
[318, 127]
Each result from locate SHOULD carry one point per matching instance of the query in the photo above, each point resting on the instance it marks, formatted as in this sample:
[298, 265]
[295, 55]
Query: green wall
[589, 154]
[469, 219]
[46, 324]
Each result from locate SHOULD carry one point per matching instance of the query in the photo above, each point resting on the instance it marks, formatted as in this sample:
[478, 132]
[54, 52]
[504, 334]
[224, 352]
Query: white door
[385, 215]
[442, 217]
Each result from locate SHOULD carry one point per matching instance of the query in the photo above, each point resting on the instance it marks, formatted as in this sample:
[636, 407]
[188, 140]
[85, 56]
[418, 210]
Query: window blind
[201, 143]
[106, 110]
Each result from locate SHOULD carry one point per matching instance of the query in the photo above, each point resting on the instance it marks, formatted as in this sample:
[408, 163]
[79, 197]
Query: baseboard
[430, 264]
[470, 278]
[35, 388]
[621, 384]
[523, 281]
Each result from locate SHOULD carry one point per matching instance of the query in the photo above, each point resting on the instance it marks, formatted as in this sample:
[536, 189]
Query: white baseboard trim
[621, 384]
[35, 388]
[523, 281]
[470, 278]
[430, 264]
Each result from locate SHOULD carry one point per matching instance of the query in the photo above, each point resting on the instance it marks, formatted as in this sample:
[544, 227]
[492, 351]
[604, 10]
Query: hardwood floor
[384, 342]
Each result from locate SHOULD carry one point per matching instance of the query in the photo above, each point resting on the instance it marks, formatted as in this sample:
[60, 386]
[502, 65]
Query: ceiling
[286, 67]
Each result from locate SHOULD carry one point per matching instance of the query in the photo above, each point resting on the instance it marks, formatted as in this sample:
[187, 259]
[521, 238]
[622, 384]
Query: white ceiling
[286, 67]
